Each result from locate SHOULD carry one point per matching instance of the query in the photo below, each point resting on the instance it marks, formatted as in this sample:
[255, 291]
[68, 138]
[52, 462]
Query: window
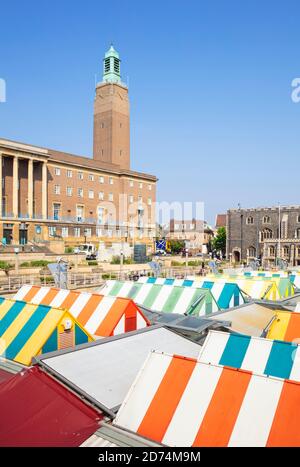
[107, 65]
[56, 211]
[100, 215]
[52, 231]
[69, 173]
[101, 179]
[98, 232]
[57, 189]
[91, 194]
[130, 198]
[298, 218]
[111, 181]
[91, 177]
[140, 199]
[88, 232]
[150, 202]
[297, 233]
[64, 232]
[286, 251]
[80, 193]
[266, 234]
[101, 195]
[131, 183]
[140, 185]
[80, 213]
[272, 251]
[120, 152]
[80, 175]
[110, 197]
[252, 252]
[102, 125]
[149, 187]
[266, 220]
[250, 220]
[69, 191]
[57, 170]
[76, 232]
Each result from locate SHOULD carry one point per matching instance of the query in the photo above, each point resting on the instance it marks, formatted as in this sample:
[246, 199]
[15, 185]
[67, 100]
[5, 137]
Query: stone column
[1, 191]
[30, 188]
[44, 191]
[15, 186]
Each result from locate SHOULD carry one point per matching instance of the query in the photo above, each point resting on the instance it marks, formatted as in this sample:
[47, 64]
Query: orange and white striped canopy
[179, 401]
[101, 316]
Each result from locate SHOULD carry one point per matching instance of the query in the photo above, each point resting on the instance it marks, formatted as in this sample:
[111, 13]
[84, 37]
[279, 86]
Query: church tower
[111, 115]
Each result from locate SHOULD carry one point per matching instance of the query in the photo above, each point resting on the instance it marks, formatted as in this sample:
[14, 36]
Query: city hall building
[49, 194]
[268, 233]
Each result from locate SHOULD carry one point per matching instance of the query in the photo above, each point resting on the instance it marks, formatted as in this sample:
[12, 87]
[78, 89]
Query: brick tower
[111, 115]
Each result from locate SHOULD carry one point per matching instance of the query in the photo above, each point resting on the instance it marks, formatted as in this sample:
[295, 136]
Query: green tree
[176, 246]
[219, 241]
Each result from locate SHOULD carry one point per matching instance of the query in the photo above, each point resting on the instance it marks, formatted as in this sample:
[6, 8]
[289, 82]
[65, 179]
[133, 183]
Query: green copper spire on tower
[111, 66]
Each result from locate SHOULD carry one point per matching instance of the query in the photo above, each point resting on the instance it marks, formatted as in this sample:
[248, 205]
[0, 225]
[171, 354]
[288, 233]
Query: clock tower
[111, 115]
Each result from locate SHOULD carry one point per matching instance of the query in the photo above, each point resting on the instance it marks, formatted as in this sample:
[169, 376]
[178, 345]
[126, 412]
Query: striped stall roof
[250, 318]
[101, 316]
[26, 330]
[164, 298]
[259, 287]
[226, 294]
[256, 354]
[294, 276]
[285, 326]
[178, 401]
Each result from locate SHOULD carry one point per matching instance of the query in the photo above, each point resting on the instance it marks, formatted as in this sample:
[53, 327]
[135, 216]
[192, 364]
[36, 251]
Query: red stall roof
[38, 411]
[5, 375]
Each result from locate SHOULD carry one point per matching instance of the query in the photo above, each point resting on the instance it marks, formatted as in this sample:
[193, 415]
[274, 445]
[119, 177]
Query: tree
[219, 241]
[177, 246]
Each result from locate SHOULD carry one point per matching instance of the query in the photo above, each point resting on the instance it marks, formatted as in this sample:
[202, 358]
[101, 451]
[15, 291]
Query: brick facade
[48, 193]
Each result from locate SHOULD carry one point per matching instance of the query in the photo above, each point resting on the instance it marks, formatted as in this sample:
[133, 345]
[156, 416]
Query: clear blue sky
[210, 89]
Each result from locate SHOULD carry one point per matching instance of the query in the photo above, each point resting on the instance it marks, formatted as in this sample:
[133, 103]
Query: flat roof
[103, 371]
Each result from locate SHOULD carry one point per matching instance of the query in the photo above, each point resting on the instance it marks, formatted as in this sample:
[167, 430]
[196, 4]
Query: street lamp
[186, 260]
[17, 250]
[121, 263]
[76, 251]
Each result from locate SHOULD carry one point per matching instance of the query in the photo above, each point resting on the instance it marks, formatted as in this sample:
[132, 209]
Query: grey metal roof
[193, 327]
[10, 366]
[103, 371]
[112, 436]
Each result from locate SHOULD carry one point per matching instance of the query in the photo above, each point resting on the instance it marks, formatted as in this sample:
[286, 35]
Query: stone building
[49, 194]
[269, 233]
[197, 233]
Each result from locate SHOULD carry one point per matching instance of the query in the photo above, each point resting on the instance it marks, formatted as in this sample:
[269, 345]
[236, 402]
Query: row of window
[91, 178]
[251, 251]
[80, 176]
[91, 194]
[285, 250]
[87, 232]
[268, 234]
[265, 220]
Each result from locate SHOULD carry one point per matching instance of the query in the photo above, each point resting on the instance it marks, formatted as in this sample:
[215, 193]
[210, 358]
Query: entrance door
[7, 234]
[23, 237]
[236, 256]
